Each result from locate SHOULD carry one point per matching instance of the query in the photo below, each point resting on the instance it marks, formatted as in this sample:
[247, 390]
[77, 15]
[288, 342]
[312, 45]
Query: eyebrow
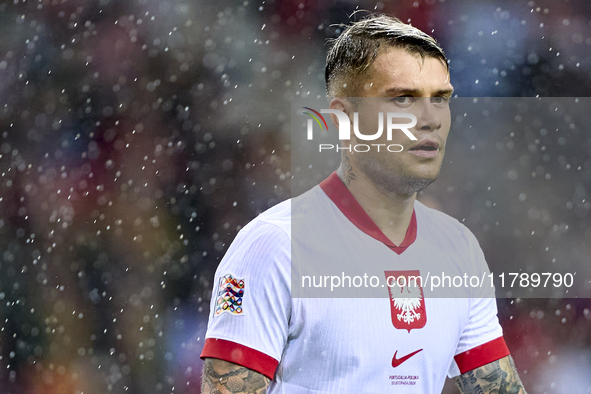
[416, 92]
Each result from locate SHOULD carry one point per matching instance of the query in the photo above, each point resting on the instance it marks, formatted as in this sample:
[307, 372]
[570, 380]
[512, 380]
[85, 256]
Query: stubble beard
[400, 182]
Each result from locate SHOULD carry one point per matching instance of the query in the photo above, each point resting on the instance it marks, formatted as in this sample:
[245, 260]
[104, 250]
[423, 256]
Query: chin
[430, 172]
[410, 185]
[400, 179]
[414, 181]
[405, 184]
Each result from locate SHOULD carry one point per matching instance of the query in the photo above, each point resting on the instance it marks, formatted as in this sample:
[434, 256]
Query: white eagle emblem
[407, 301]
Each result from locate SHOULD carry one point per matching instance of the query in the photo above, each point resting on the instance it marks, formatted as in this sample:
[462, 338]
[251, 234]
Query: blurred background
[138, 137]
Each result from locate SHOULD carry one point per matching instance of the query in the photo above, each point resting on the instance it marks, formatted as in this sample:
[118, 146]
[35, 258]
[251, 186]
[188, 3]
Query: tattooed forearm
[222, 377]
[345, 171]
[498, 377]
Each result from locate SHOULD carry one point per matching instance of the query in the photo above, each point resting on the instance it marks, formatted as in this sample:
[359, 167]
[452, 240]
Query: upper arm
[496, 377]
[251, 301]
[225, 377]
[481, 338]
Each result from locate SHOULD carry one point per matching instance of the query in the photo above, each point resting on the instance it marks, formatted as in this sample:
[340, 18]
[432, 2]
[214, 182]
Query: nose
[429, 118]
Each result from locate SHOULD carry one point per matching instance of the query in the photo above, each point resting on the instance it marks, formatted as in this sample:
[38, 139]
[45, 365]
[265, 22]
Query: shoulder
[275, 222]
[263, 245]
[443, 226]
[452, 238]
[273, 227]
[312, 203]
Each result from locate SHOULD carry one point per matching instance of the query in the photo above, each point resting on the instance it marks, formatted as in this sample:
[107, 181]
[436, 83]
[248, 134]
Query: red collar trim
[336, 190]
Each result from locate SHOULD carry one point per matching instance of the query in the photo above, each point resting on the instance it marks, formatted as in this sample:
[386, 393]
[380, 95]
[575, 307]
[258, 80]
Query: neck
[390, 211]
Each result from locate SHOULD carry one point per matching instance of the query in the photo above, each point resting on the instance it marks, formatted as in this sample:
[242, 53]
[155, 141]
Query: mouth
[425, 148]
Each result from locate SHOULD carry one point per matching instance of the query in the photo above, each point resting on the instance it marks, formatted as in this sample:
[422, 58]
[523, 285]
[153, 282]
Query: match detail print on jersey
[230, 295]
[407, 303]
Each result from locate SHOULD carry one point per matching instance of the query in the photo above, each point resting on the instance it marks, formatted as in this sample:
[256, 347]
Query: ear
[345, 106]
[342, 105]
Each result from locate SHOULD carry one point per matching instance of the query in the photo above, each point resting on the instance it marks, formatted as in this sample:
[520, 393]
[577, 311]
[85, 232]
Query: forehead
[398, 69]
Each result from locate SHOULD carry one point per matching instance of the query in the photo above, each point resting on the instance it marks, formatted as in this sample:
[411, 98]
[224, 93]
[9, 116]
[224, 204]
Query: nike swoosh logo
[397, 361]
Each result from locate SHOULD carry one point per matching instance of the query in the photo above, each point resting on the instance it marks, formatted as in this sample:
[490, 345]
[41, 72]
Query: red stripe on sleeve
[482, 355]
[241, 355]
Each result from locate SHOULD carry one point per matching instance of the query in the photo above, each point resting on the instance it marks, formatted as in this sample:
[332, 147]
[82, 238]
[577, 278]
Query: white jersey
[404, 341]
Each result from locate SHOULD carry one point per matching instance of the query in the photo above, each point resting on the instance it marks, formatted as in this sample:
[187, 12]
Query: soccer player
[261, 339]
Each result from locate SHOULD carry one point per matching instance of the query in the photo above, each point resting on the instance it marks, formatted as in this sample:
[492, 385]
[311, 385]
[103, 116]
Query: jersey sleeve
[481, 341]
[251, 300]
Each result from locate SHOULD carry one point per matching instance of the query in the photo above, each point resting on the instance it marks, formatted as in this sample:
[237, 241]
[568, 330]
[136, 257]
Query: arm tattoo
[345, 171]
[223, 377]
[498, 377]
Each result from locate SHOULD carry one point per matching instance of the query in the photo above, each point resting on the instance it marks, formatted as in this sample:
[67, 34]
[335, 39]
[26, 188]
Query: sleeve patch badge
[230, 295]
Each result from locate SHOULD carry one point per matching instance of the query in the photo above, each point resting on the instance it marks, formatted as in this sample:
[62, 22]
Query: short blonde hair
[354, 51]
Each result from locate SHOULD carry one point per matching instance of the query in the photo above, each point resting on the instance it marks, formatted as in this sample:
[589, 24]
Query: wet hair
[354, 51]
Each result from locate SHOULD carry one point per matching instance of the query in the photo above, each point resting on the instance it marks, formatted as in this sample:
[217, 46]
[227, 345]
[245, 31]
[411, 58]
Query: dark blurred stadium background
[137, 137]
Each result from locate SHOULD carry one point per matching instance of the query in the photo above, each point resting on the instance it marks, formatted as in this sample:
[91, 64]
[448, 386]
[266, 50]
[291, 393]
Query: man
[261, 339]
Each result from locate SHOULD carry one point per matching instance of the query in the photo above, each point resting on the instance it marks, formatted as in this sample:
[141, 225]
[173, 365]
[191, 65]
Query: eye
[440, 99]
[403, 100]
